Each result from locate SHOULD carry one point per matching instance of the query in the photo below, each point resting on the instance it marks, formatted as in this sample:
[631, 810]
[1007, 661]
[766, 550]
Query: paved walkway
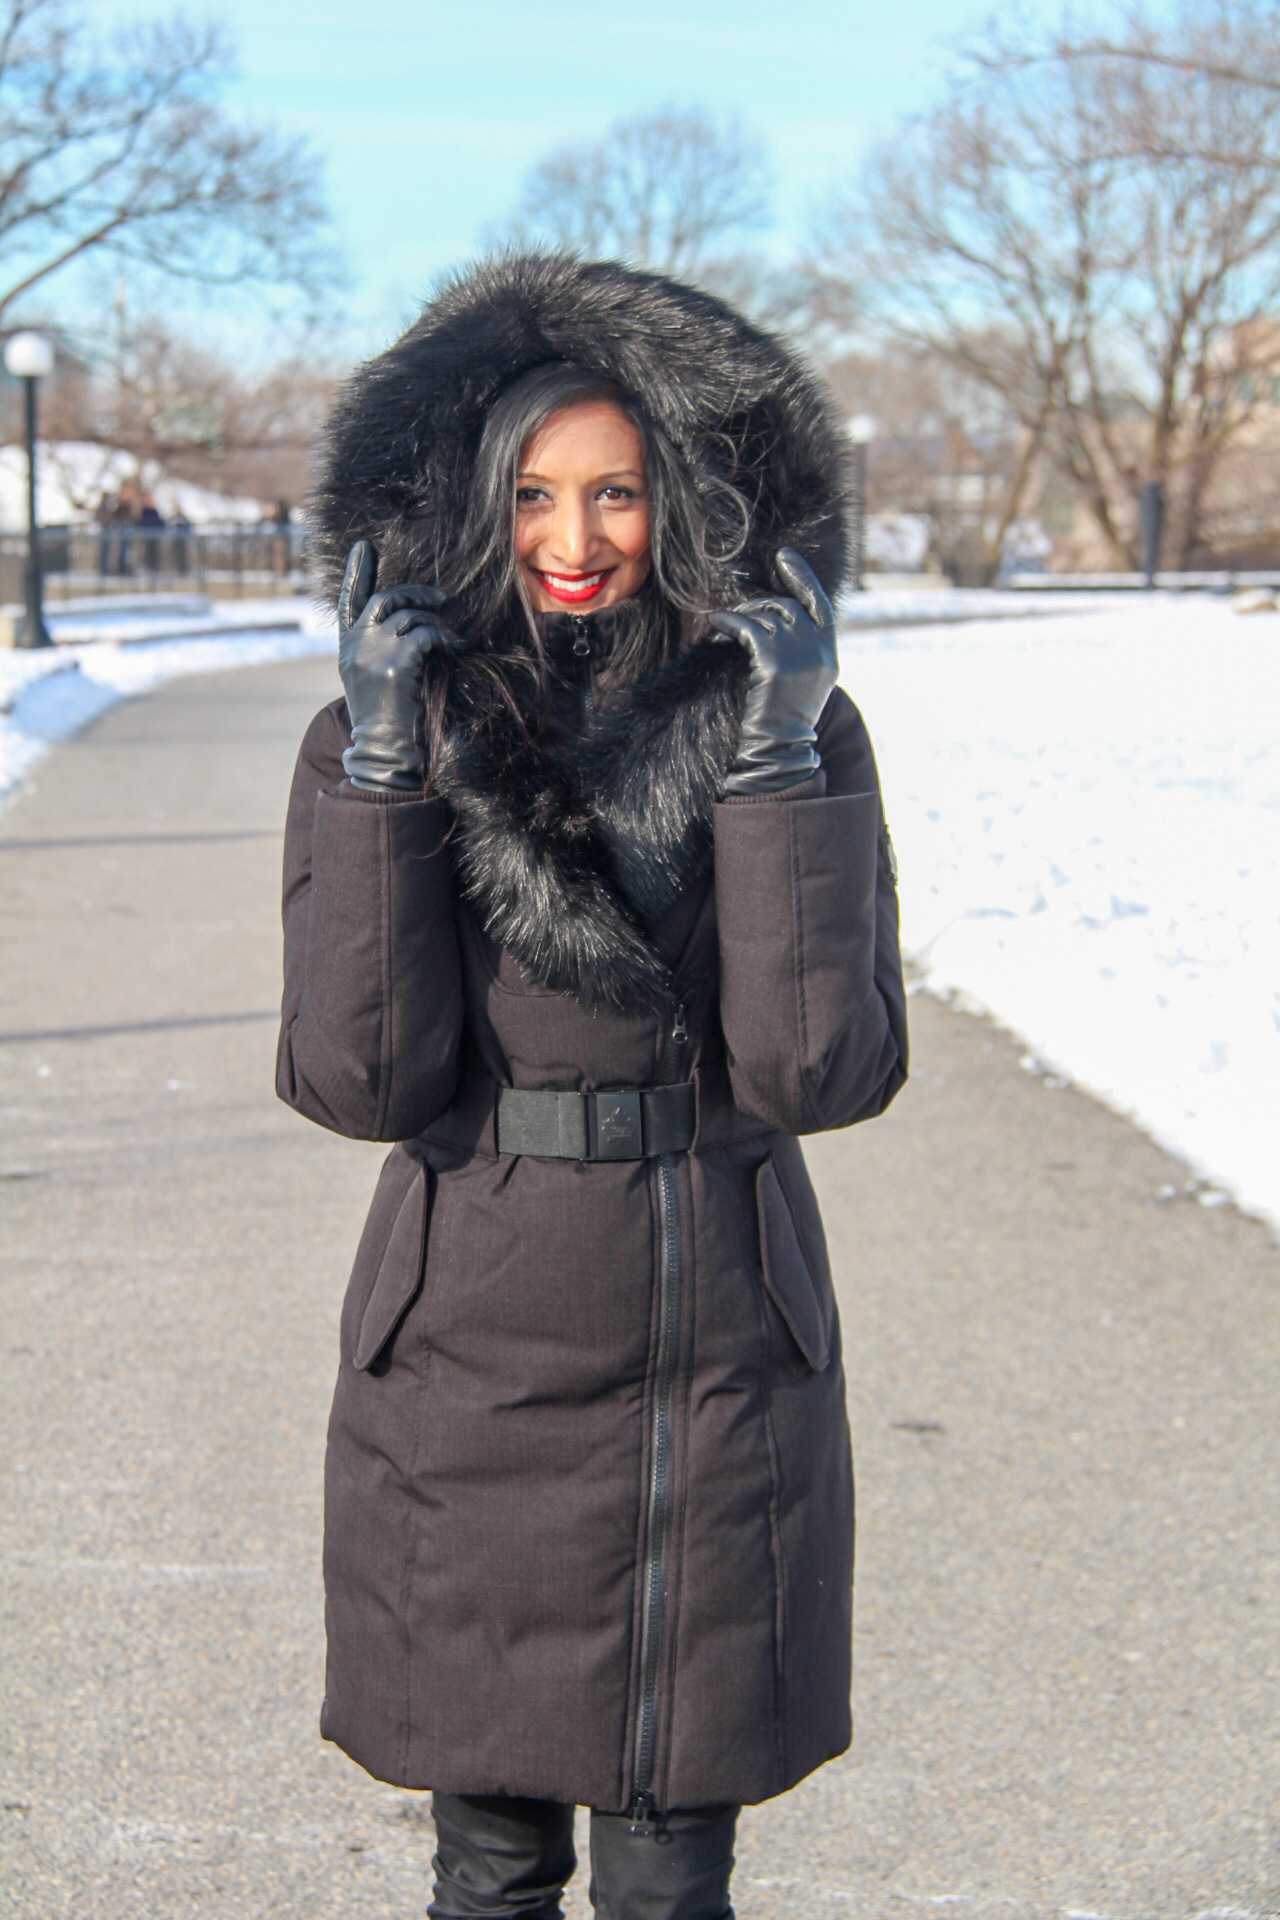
[1065, 1395]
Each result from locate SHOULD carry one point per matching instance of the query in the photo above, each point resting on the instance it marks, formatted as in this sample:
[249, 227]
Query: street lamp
[862, 431]
[29, 356]
[1151, 514]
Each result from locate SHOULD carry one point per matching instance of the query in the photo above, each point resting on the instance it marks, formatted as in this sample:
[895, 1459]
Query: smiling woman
[598, 920]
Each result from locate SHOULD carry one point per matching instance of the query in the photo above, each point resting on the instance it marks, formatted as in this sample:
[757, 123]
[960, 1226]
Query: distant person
[151, 529]
[282, 545]
[589, 906]
[124, 520]
[104, 515]
[180, 541]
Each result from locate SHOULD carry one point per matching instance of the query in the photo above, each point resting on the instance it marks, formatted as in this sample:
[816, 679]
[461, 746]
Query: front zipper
[654, 1580]
[657, 1524]
[580, 627]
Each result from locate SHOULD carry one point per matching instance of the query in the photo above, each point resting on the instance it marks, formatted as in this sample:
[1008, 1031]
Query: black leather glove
[384, 641]
[792, 644]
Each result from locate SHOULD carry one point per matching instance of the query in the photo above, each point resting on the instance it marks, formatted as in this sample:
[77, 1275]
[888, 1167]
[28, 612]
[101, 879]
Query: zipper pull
[581, 637]
[679, 1031]
[643, 1824]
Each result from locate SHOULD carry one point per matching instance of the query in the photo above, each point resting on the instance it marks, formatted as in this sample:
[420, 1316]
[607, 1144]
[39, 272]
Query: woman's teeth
[582, 586]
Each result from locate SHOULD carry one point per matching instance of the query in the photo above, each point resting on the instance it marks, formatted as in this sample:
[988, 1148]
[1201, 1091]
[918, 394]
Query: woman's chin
[551, 603]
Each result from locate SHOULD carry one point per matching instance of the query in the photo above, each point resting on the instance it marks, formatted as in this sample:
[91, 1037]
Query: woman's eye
[617, 493]
[529, 496]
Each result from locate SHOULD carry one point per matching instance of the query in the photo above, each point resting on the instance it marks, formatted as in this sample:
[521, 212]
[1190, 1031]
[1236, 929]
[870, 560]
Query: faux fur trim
[571, 849]
[735, 402]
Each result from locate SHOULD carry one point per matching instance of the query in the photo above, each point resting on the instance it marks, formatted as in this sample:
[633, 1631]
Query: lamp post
[1151, 516]
[29, 356]
[862, 431]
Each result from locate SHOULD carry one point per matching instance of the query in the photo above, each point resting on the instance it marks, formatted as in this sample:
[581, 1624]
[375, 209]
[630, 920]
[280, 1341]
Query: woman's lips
[573, 588]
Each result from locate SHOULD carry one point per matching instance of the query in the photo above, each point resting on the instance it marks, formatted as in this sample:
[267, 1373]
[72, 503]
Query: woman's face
[582, 509]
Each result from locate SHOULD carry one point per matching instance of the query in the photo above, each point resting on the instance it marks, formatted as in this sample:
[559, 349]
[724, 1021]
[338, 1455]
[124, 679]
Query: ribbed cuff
[380, 796]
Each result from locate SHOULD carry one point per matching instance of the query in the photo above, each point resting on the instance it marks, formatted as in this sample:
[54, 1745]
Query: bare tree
[667, 191]
[1237, 41]
[1095, 237]
[946, 449]
[115, 144]
[169, 401]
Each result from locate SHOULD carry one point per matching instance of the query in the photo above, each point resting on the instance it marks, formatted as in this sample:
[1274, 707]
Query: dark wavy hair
[698, 526]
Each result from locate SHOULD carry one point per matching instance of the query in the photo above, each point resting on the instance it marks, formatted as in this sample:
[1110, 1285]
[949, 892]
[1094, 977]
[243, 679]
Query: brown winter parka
[589, 1502]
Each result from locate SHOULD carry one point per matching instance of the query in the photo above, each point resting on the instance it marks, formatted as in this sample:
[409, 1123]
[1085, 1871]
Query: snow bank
[72, 476]
[162, 616]
[942, 604]
[1087, 817]
[49, 694]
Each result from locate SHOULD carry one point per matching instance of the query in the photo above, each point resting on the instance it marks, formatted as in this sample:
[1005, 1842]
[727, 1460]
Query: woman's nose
[571, 533]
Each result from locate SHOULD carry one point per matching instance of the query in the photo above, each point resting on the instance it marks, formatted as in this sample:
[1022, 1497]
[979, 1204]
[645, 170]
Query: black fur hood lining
[572, 848]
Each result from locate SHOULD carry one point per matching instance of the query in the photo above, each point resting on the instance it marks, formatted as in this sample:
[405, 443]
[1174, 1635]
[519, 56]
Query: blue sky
[429, 112]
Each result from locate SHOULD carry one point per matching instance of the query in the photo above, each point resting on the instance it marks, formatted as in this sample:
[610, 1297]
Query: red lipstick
[573, 589]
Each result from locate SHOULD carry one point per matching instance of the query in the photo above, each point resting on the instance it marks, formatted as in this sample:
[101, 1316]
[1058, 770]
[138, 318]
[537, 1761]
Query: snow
[161, 616]
[50, 693]
[938, 603]
[72, 476]
[1086, 812]
[897, 542]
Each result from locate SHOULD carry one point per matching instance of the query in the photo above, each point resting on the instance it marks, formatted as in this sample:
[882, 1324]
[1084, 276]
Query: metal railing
[226, 562]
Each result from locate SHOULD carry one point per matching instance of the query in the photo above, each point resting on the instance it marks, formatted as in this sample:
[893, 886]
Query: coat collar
[570, 846]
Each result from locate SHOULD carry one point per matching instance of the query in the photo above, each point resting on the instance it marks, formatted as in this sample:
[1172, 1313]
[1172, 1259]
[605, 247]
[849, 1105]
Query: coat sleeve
[371, 1024]
[811, 994]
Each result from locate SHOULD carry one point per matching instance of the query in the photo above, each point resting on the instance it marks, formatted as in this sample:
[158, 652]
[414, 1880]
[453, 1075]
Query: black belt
[631, 1124]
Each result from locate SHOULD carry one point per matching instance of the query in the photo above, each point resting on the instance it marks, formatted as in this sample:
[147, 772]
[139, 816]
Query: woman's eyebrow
[617, 473]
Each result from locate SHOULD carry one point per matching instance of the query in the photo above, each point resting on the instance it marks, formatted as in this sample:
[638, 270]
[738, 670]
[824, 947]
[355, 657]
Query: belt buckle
[614, 1126]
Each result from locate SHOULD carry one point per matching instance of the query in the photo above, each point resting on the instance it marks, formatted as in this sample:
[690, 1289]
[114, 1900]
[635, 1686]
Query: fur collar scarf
[570, 845]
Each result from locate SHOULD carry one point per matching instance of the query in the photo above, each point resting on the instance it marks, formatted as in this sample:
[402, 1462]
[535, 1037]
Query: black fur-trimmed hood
[570, 847]
[732, 400]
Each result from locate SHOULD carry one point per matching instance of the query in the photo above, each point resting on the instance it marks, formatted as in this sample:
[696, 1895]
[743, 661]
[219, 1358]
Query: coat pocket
[804, 1298]
[399, 1273]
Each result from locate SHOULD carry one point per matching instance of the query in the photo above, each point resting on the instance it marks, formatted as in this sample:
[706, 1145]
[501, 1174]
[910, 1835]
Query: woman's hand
[791, 641]
[384, 642]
